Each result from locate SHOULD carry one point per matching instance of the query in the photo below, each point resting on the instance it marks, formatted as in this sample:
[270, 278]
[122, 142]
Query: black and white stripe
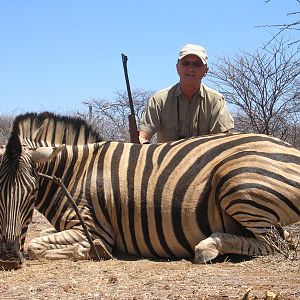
[166, 199]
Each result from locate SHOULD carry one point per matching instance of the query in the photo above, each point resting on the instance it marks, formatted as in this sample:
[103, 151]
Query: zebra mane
[49, 129]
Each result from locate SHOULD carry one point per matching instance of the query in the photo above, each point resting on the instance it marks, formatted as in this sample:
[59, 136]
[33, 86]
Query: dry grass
[127, 278]
[287, 245]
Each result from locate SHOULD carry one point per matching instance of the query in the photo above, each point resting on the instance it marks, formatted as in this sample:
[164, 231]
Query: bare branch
[263, 87]
[111, 116]
[59, 182]
[5, 127]
[282, 28]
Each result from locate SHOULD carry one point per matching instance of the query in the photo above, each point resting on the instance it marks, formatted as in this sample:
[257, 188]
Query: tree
[111, 117]
[284, 27]
[5, 128]
[263, 88]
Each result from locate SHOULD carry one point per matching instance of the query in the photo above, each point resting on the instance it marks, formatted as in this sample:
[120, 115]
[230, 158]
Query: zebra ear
[43, 154]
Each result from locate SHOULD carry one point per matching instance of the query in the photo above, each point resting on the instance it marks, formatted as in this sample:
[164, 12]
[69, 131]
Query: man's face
[191, 69]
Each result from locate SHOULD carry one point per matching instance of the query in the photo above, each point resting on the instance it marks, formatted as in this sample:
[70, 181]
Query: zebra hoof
[205, 251]
[102, 252]
[35, 253]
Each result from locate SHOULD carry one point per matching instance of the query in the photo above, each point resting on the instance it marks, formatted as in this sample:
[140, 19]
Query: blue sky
[55, 54]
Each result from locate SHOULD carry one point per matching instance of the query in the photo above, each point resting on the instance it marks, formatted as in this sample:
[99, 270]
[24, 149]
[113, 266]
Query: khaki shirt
[172, 117]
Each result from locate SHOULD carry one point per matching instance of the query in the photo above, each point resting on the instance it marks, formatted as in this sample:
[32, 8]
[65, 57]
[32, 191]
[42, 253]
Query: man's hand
[144, 137]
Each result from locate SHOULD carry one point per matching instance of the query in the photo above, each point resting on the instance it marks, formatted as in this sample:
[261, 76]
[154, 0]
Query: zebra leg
[224, 243]
[102, 251]
[68, 244]
[74, 252]
[47, 231]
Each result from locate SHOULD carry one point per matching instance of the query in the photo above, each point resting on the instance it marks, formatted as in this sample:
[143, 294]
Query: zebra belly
[165, 235]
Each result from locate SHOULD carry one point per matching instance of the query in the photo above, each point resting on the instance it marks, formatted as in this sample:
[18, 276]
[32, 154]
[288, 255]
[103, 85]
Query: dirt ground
[136, 279]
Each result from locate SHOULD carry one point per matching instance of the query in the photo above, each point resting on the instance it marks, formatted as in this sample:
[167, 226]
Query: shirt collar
[178, 91]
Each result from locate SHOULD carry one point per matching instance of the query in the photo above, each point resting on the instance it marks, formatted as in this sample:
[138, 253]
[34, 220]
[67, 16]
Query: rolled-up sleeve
[221, 119]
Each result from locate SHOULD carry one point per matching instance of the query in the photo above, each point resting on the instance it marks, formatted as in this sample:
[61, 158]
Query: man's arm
[221, 120]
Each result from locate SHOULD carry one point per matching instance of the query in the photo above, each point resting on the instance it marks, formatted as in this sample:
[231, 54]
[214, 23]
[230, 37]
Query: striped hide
[198, 197]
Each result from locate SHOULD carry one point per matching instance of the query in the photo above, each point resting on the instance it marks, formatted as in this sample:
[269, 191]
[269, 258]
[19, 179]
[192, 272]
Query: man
[189, 108]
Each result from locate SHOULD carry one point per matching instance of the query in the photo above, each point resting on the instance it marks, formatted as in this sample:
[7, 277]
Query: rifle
[134, 135]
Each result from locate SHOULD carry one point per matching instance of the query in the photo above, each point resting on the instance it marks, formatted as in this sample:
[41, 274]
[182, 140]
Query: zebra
[194, 198]
[30, 131]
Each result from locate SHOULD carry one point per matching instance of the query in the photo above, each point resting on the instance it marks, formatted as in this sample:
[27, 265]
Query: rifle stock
[133, 132]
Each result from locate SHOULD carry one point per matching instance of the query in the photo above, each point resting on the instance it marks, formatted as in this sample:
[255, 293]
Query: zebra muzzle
[10, 256]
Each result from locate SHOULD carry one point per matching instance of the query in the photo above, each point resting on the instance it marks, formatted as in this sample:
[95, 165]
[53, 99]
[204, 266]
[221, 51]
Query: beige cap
[189, 49]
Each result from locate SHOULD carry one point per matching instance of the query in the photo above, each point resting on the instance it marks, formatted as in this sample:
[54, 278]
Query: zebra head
[18, 188]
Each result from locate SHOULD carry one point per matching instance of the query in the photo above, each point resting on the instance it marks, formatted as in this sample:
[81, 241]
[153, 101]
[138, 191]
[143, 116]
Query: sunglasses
[187, 63]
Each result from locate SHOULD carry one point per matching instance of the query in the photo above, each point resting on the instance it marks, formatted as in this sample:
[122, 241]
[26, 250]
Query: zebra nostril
[10, 251]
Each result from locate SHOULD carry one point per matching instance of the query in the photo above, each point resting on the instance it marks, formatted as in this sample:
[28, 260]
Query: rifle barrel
[134, 135]
[124, 60]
